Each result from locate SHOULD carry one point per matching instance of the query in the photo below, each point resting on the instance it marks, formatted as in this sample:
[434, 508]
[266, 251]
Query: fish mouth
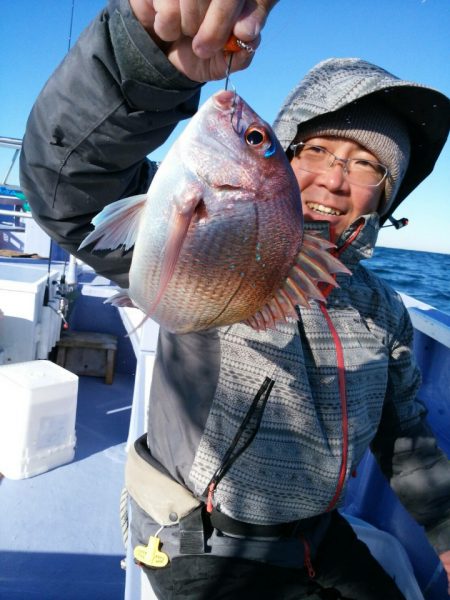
[323, 210]
[208, 180]
[224, 99]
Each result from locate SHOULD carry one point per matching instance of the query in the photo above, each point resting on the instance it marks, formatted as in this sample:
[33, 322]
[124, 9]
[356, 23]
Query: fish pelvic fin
[122, 299]
[313, 265]
[117, 224]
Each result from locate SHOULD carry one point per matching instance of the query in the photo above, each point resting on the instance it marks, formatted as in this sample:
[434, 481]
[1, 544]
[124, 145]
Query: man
[252, 436]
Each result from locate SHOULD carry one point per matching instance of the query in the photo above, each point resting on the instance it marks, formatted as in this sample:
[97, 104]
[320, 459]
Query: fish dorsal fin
[117, 224]
[313, 265]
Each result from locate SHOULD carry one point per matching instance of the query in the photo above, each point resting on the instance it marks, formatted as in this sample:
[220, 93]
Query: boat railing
[14, 144]
[10, 193]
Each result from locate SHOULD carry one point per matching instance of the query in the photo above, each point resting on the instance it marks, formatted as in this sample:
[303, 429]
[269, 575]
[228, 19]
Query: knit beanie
[375, 128]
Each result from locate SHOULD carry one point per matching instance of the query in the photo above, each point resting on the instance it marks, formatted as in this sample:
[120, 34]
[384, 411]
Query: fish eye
[254, 137]
[258, 138]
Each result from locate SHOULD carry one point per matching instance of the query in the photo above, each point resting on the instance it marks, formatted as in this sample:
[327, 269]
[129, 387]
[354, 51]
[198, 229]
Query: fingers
[144, 12]
[252, 19]
[177, 18]
[193, 33]
[216, 27]
[192, 13]
[208, 23]
[167, 23]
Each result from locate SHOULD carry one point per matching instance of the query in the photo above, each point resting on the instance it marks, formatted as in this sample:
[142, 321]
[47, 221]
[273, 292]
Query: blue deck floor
[60, 534]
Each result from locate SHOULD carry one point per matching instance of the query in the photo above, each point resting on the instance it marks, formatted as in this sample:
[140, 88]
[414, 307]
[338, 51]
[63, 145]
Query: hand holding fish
[193, 34]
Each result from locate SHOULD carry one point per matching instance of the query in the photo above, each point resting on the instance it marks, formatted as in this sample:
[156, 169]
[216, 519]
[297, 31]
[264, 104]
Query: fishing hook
[227, 80]
[234, 45]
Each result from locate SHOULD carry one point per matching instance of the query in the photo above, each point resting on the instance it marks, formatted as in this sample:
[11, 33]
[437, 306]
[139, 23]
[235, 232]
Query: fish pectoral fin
[312, 266]
[182, 212]
[117, 224]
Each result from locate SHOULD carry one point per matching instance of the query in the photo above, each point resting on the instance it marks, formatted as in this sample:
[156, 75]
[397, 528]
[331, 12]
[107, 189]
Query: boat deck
[60, 535]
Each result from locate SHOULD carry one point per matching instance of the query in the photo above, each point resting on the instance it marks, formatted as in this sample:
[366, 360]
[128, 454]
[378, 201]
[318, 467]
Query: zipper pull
[209, 501]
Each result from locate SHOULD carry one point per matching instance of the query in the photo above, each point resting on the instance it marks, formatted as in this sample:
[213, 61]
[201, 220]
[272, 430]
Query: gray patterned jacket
[291, 466]
[274, 402]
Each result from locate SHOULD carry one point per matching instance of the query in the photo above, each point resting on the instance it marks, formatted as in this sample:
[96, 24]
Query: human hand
[193, 33]
[445, 560]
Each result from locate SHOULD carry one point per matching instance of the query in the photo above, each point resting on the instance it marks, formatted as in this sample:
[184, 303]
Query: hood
[337, 82]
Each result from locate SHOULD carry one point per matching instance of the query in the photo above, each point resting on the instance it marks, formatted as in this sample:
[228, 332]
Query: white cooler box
[38, 403]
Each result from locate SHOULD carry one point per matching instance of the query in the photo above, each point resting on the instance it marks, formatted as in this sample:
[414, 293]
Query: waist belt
[194, 535]
[231, 526]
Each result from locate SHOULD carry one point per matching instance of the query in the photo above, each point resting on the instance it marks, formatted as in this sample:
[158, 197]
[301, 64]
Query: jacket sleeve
[113, 100]
[406, 449]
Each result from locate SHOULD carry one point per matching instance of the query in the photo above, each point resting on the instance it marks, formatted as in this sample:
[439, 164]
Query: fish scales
[220, 230]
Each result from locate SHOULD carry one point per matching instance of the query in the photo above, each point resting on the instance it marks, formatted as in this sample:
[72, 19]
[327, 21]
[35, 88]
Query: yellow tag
[150, 555]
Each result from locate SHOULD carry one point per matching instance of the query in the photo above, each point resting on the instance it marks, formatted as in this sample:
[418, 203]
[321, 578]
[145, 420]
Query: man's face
[329, 196]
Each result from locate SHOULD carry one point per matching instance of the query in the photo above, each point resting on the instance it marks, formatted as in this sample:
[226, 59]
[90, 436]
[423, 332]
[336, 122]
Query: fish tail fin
[313, 265]
[117, 224]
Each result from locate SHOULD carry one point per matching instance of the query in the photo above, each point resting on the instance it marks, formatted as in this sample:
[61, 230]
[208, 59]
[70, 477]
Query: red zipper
[210, 498]
[351, 239]
[307, 560]
[327, 288]
[341, 376]
[343, 398]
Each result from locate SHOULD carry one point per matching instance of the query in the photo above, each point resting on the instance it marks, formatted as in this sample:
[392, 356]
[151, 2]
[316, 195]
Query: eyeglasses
[359, 171]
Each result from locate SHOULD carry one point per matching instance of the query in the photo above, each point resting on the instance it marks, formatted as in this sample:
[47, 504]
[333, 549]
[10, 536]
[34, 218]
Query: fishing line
[69, 45]
[227, 76]
[71, 26]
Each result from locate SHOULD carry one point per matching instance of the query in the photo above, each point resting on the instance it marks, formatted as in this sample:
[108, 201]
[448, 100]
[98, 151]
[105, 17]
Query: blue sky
[410, 38]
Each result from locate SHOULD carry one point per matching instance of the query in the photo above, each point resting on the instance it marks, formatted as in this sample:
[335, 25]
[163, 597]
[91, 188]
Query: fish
[218, 239]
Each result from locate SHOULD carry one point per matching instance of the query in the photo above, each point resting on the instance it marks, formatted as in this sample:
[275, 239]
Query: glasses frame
[343, 161]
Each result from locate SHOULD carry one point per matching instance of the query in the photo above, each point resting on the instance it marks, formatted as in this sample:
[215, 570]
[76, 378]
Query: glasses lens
[365, 172]
[313, 159]
[316, 159]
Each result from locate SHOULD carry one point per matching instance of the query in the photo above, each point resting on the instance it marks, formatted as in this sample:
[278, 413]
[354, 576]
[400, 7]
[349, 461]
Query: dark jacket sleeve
[113, 100]
[406, 448]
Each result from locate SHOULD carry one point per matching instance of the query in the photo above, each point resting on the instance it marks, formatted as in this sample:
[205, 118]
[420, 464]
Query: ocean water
[423, 275]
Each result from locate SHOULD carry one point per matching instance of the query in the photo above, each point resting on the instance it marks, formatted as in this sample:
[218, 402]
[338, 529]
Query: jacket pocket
[243, 437]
